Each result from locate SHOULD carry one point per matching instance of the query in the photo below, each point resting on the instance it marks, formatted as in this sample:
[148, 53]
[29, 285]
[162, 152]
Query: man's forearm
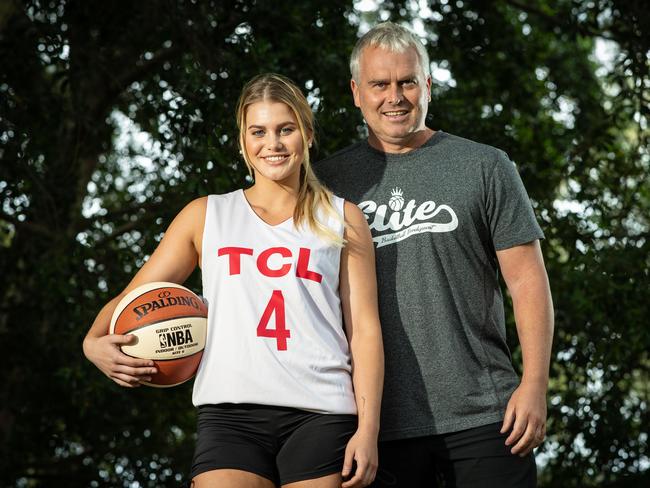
[533, 308]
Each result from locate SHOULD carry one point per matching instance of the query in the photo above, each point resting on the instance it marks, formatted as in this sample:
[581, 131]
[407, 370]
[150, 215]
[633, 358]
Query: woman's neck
[271, 200]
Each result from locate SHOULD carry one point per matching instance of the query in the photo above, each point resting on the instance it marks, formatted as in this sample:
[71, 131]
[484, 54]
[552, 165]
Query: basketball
[170, 323]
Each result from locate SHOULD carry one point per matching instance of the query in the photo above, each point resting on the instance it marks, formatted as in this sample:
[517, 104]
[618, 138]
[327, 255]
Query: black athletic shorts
[282, 444]
[472, 458]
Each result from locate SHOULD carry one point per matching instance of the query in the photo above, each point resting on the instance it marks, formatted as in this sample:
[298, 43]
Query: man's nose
[395, 95]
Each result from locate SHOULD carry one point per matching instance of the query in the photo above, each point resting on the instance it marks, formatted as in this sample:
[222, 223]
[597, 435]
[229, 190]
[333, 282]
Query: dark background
[114, 114]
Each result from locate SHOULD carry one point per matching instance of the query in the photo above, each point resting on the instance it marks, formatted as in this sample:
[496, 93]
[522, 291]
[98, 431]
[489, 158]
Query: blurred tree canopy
[113, 115]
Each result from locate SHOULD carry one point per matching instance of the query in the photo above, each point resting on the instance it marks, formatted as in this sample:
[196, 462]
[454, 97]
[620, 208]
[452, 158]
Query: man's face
[392, 93]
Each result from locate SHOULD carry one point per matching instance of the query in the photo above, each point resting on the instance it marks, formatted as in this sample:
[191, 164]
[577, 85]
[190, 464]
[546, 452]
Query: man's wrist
[538, 381]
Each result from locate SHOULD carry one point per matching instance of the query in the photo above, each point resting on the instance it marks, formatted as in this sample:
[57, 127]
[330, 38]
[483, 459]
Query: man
[447, 215]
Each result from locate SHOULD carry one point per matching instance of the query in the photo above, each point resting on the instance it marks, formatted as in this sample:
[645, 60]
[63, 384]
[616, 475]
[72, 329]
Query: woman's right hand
[104, 352]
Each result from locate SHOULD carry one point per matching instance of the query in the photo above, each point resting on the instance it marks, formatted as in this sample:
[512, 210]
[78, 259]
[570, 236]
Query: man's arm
[525, 276]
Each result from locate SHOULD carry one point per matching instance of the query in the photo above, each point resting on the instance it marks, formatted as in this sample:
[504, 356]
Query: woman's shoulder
[353, 214]
[190, 217]
[196, 206]
[200, 204]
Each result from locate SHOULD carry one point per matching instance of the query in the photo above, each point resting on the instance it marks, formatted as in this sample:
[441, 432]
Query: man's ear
[355, 93]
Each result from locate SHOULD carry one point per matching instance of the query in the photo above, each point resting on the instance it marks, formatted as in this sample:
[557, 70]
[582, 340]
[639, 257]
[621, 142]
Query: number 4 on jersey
[280, 333]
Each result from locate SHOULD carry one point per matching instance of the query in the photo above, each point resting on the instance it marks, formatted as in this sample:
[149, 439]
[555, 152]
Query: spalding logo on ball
[170, 323]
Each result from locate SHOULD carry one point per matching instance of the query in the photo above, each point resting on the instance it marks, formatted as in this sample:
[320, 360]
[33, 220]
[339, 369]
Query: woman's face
[273, 141]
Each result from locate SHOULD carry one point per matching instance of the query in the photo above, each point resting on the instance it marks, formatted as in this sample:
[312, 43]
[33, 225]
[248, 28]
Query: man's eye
[409, 82]
[380, 84]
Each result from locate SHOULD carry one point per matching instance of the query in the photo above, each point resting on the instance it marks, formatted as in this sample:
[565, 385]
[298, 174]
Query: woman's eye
[258, 133]
[286, 130]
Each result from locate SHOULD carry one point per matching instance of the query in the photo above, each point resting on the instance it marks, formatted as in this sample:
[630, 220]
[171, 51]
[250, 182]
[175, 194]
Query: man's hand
[526, 416]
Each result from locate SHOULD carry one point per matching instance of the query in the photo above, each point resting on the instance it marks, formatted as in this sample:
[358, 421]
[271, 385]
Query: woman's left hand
[362, 450]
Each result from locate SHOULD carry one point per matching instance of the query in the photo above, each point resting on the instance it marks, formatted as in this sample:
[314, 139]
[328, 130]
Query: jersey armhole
[201, 237]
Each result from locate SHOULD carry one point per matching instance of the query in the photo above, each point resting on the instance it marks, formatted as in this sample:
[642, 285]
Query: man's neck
[414, 141]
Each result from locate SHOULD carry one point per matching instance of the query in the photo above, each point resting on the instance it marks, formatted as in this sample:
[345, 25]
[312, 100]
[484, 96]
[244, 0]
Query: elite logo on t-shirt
[406, 220]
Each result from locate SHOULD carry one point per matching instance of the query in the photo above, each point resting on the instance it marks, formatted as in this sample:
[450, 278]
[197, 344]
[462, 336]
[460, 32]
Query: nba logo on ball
[170, 323]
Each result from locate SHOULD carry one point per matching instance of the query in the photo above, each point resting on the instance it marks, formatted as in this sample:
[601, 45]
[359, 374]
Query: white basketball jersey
[275, 333]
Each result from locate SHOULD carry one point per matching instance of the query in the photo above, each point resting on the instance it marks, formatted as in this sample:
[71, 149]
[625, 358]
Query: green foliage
[83, 203]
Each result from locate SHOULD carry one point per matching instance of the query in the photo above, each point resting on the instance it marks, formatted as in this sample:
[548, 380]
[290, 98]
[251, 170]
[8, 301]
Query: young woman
[287, 395]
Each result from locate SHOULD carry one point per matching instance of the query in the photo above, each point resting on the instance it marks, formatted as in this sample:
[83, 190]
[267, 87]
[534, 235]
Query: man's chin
[410, 137]
[399, 136]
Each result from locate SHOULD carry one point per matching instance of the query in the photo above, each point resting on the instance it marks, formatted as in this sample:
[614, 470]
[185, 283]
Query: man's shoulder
[470, 147]
[341, 156]
[340, 172]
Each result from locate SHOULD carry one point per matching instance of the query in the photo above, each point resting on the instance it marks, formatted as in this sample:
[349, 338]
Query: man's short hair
[391, 37]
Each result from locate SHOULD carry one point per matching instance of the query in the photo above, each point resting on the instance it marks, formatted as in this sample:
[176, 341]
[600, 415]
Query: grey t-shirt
[437, 215]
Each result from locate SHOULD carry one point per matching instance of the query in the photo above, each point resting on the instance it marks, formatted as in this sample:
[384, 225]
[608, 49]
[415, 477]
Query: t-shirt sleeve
[510, 214]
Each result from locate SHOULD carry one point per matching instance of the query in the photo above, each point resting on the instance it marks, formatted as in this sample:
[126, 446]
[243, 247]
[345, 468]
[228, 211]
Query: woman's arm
[358, 290]
[173, 260]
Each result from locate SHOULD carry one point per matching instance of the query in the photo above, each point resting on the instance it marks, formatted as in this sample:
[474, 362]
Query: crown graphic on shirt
[396, 201]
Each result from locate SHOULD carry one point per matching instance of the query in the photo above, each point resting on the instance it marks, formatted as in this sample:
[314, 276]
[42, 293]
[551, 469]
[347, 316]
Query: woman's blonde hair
[312, 195]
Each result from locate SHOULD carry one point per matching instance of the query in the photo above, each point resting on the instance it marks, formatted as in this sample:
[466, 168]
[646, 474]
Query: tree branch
[86, 168]
[122, 229]
[139, 71]
[135, 207]
[7, 10]
[558, 21]
[26, 226]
